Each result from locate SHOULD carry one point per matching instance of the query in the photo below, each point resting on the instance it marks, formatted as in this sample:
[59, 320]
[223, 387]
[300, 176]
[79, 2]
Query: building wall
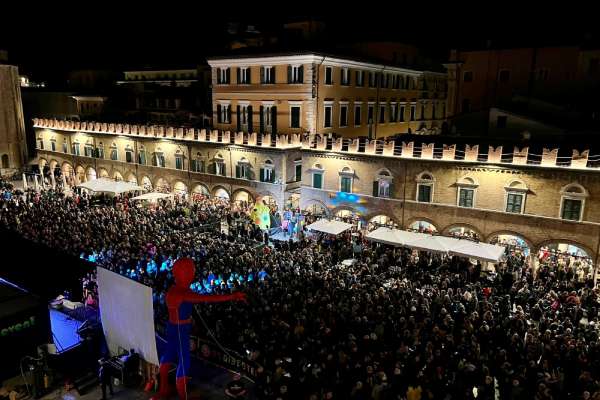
[167, 177]
[539, 223]
[13, 147]
[426, 90]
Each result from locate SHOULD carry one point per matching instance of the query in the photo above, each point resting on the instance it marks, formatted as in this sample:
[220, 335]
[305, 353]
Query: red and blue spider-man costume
[180, 302]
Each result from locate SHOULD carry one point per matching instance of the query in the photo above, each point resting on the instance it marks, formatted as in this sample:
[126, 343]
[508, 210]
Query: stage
[64, 330]
[282, 236]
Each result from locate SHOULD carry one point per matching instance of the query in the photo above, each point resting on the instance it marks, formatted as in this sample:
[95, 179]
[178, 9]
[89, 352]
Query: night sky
[44, 41]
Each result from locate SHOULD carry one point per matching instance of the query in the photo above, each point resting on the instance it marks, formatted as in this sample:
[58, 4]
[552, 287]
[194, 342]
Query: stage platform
[64, 330]
[280, 236]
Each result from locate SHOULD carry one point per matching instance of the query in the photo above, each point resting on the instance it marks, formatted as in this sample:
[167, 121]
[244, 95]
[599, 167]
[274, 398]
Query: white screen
[127, 315]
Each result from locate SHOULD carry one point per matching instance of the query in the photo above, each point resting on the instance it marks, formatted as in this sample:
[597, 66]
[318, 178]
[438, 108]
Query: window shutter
[228, 75]
[289, 74]
[238, 75]
[224, 170]
[228, 116]
[274, 119]
[375, 188]
[262, 75]
[239, 120]
[261, 128]
[391, 190]
[249, 114]
[262, 175]
[272, 74]
[249, 75]
[272, 176]
[237, 171]
[301, 74]
[219, 113]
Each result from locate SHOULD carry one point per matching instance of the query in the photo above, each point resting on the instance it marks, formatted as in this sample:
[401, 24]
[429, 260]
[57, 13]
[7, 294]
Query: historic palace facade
[181, 160]
[318, 93]
[491, 194]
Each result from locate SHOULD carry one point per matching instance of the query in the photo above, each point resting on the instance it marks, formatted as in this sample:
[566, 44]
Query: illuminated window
[382, 185]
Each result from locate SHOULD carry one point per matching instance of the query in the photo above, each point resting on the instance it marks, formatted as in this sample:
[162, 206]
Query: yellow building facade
[313, 93]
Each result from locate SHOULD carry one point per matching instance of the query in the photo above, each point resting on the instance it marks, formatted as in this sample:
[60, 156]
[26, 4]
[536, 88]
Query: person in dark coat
[104, 376]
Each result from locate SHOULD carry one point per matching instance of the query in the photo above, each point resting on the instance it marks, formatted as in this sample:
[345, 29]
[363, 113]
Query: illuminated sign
[28, 323]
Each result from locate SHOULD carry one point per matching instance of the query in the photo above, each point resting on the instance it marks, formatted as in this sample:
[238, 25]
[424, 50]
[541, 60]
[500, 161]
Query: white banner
[127, 315]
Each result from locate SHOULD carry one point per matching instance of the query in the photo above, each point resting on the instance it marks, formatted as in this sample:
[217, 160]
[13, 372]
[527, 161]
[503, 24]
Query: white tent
[152, 196]
[439, 244]
[106, 185]
[331, 227]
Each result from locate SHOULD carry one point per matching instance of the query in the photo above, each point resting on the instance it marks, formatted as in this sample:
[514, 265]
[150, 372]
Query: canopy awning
[152, 196]
[438, 244]
[106, 185]
[331, 227]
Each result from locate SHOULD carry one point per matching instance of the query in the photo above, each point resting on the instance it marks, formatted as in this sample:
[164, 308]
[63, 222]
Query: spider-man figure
[180, 300]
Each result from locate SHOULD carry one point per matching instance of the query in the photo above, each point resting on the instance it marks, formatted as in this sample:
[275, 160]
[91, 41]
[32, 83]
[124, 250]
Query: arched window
[572, 202]
[466, 192]
[317, 172]
[88, 149]
[41, 143]
[346, 179]
[159, 158]
[516, 194]
[178, 159]
[128, 154]
[142, 155]
[218, 165]
[425, 187]
[198, 163]
[382, 185]
[242, 169]
[100, 150]
[114, 152]
[267, 173]
[53, 144]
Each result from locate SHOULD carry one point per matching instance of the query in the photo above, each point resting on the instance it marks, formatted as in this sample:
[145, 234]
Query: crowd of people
[390, 324]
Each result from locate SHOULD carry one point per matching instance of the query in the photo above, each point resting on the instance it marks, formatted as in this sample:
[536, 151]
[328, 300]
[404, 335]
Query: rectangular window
[100, 152]
[413, 112]
[424, 195]
[178, 161]
[343, 115]
[142, 157]
[128, 156]
[41, 144]
[226, 113]
[223, 76]
[382, 114]
[571, 209]
[393, 114]
[64, 147]
[160, 160]
[383, 188]
[268, 75]
[345, 76]
[328, 76]
[53, 145]
[401, 113]
[298, 172]
[318, 180]
[76, 150]
[514, 203]
[244, 75]
[501, 121]
[465, 197]
[504, 75]
[357, 114]
[327, 118]
[468, 76]
[114, 154]
[267, 114]
[360, 78]
[372, 79]
[371, 111]
[295, 74]
[295, 117]
[346, 184]
[88, 150]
